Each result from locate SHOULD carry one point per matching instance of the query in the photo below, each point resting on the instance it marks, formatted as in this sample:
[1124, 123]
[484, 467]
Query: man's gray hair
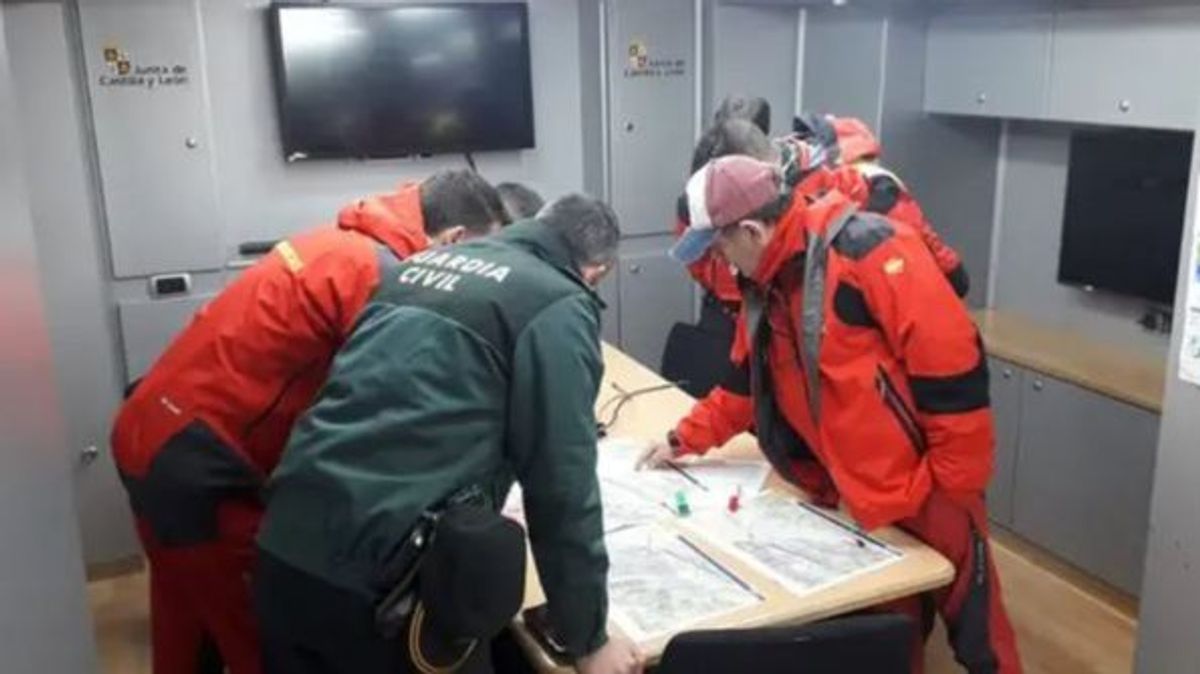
[520, 202]
[587, 225]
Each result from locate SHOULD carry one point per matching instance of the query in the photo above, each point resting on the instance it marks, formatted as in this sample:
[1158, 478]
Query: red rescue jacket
[859, 368]
[850, 163]
[251, 360]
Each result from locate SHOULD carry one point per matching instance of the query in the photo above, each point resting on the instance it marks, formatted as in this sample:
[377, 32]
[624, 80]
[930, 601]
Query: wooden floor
[1065, 623]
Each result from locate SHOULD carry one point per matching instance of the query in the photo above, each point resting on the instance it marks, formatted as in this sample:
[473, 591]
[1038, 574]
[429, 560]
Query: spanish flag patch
[290, 257]
[893, 266]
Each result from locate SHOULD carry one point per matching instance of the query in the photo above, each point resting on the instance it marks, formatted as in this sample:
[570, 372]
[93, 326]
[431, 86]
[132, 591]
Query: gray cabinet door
[994, 66]
[1006, 380]
[145, 74]
[1132, 67]
[651, 92]
[1084, 478]
[656, 293]
[149, 326]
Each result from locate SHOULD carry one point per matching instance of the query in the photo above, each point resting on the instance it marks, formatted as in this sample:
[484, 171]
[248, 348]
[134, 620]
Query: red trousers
[201, 593]
[972, 607]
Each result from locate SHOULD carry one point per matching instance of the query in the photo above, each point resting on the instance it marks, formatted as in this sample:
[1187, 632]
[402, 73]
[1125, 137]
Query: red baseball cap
[723, 192]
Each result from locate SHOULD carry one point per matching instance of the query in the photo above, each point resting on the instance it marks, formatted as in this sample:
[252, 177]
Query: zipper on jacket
[905, 417]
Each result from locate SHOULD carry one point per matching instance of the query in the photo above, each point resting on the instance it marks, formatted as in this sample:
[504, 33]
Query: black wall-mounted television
[380, 81]
[1124, 212]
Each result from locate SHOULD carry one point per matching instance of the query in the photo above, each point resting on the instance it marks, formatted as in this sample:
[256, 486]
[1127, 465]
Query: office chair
[698, 355]
[869, 644]
[696, 358]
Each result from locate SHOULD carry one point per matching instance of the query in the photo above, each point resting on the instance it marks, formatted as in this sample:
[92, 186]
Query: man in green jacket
[471, 366]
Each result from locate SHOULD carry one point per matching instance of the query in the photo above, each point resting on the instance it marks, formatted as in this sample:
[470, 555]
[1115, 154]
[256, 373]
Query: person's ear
[450, 235]
[593, 274]
[753, 229]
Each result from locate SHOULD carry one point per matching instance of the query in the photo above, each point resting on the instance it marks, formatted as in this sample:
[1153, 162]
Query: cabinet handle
[191, 143]
[88, 455]
[629, 127]
[1038, 384]
[1007, 373]
[981, 98]
[635, 269]
[1125, 105]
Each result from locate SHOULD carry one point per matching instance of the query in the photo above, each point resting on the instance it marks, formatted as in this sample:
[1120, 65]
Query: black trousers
[312, 627]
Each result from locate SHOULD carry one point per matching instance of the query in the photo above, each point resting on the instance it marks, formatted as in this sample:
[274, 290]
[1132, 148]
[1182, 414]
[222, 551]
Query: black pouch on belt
[462, 568]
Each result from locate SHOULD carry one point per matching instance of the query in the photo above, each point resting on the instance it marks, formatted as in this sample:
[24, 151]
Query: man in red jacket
[863, 376]
[207, 424]
[851, 154]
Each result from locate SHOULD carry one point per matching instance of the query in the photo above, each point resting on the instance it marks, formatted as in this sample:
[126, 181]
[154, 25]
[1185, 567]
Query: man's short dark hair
[753, 109]
[460, 197]
[520, 202]
[731, 136]
[587, 225]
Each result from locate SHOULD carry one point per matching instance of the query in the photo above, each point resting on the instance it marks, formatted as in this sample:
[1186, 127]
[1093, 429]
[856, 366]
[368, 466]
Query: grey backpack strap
[816, 270]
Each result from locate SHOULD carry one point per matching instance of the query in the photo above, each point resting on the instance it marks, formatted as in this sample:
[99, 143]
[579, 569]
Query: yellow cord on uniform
[414, 647]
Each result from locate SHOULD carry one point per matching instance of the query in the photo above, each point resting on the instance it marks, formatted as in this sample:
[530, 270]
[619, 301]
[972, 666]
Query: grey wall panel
[652, 109]
[949, 164]
[147, 327]
[655, 293]
[1030, 239]
[755, 54]
[591, 94]
[1170, 608]
[79, 305]
[843, 62]
[152, 130]
[263, 197]
[43, 608]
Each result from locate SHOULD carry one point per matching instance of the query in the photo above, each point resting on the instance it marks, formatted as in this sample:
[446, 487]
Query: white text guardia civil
[441, 271]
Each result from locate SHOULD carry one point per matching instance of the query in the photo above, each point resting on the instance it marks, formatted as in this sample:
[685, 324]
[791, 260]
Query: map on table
[631, 496]
[623, 506]
[705, 482]
[659, 583]
[801, 546]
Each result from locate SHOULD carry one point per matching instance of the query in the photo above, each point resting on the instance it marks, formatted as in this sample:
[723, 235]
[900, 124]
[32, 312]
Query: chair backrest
[696, 358]
[871, 644]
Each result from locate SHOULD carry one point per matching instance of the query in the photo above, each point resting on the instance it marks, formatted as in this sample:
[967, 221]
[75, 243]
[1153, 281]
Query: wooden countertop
[650, 416]
[1123, 374]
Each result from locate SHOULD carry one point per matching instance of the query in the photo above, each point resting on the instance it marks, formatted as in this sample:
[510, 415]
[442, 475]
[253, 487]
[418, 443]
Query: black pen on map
[729, 574]
[686, 475]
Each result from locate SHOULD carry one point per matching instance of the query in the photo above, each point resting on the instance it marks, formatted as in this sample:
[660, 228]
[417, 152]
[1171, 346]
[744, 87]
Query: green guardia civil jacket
[471, 365]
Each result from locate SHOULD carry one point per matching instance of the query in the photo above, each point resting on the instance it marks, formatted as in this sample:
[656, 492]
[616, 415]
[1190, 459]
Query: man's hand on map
[656, 456]
[618, 656]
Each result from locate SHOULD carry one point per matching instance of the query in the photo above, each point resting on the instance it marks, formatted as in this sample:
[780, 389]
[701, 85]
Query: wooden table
[650, 416]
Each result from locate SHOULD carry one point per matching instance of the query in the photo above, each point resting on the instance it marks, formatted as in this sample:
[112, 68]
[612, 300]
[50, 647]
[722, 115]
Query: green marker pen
[681, 504]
